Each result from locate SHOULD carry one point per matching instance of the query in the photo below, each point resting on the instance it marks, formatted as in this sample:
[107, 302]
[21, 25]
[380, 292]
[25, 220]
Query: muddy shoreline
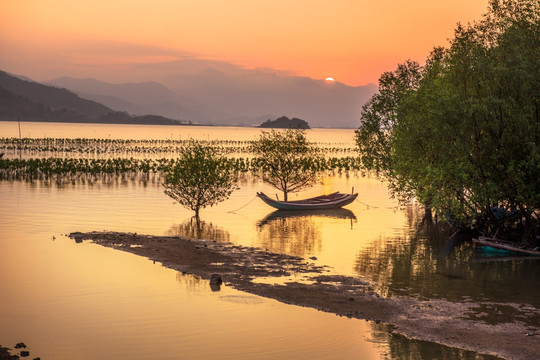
[242, 268]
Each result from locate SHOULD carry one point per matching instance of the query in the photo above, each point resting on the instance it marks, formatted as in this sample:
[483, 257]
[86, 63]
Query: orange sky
[353, 41]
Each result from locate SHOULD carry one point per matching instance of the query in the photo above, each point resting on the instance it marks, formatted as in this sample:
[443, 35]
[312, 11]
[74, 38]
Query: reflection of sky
[58, 296]
[10, 129]
[83, 301]
[135, 208]
[61, 297]
[132, 207]
[381, 243]
[64, 298]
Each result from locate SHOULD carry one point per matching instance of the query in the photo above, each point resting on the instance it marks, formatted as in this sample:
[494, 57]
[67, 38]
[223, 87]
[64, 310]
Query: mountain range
[27, 100]
[210, 95]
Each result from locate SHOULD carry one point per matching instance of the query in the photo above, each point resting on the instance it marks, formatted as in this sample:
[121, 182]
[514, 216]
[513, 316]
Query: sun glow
[38, 37]
[329, 79]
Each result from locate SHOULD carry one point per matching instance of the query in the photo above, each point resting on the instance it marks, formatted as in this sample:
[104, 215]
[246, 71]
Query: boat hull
[332, 201]
[504, 246]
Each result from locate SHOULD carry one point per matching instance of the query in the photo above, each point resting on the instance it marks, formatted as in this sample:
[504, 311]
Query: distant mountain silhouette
[200, 91]
[148, 92]
[31, 101]
[14, 106]
[285, 123]
[115, 103]
[55, 98]
[219, 93]
[139, 98]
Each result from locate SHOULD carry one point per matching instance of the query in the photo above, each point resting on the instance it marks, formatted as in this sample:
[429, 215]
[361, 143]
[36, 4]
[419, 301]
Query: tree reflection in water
[296, 232]
[191, 282]
[198, 229]
[400, 347]
[427, 262]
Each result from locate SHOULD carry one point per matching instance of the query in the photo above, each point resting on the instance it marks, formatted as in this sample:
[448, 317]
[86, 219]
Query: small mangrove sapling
[287, 160]
[201, 177]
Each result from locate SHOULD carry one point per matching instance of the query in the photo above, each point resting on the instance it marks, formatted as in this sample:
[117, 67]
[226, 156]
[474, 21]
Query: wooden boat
[331, 201]
[501, 245]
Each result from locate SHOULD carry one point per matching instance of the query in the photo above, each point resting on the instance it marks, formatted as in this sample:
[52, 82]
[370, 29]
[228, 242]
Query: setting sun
[329, 79]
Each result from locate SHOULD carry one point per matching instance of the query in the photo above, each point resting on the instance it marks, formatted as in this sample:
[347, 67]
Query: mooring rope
[377, 207]
[250, 201]
[241, 207]
[366, 204]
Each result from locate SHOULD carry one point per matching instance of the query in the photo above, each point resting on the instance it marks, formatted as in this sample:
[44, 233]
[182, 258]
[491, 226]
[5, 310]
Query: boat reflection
[333, 213]
[296, 232]
[198, 229]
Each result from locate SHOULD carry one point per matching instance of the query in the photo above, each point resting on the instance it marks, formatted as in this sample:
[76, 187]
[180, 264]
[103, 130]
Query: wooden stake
[20, 138]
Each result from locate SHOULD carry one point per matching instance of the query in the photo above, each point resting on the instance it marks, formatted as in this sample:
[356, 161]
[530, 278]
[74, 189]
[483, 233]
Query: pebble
[216, 279]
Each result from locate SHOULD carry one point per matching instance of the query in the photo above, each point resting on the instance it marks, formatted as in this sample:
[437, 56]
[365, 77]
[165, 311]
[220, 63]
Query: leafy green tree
[286, 160]
[464, 136]
[379, 117]
[200, 177]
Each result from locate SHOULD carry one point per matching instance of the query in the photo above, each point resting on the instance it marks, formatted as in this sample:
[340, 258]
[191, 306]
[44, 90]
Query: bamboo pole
[20, 138]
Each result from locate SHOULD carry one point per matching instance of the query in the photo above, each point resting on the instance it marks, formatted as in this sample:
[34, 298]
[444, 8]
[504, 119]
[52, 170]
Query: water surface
[68, 299]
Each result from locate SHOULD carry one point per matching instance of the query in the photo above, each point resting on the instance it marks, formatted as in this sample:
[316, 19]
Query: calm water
[68, 300]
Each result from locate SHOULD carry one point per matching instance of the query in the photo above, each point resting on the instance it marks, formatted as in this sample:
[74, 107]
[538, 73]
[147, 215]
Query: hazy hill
[31, 101]
[53, 97]
[285, 123]
[138, 93]
[252, 93]
[139, 99]
[213, 92]
[115, 103]
[13, 107]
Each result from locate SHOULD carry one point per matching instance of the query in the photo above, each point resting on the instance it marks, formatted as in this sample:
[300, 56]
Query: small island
[285, 123]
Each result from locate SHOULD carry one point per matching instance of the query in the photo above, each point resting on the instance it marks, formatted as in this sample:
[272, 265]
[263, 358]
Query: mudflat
[252, 270]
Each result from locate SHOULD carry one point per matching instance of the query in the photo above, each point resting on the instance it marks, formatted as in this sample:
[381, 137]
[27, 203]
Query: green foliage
[379, 117]
[287, 160]
[200, 177]
[461, 134]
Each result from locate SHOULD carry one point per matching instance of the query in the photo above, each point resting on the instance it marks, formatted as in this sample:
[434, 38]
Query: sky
[352, 41]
